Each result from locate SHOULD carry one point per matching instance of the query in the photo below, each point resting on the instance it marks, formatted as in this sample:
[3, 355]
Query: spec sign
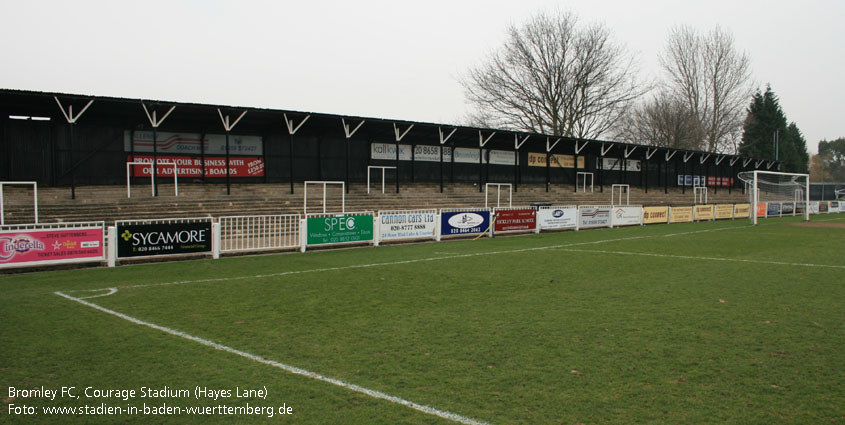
[773, 208]
[515, 219]
[407, 224]
[703, 212]
[340, 229]
[53, 246]
[143, 240]
[724, 211]
[558, 218]
[742, 210]
[593, 217]
[464, 222]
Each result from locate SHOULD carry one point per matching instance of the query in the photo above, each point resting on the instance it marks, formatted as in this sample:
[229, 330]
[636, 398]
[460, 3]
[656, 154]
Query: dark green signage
[340, 229]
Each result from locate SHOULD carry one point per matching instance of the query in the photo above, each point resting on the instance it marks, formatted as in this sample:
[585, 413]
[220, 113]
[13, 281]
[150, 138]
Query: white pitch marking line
[392, 263]
[690, 257]
[110, 292]
[288, 368]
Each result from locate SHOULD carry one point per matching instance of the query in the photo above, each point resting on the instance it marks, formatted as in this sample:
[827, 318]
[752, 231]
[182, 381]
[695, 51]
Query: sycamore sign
[340, 229]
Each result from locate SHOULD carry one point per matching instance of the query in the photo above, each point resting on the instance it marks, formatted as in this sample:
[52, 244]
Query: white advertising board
[407, 224]
[387, 151]
[594, 216]
[563, 217]
[192, 143]
[626, 216]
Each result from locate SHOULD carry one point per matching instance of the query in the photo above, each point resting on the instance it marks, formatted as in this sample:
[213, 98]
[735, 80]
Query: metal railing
[259, 232]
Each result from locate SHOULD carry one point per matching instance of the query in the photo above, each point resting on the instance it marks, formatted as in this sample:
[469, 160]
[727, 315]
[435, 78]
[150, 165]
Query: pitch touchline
[689, 257]
[113, 290]
[288, 368]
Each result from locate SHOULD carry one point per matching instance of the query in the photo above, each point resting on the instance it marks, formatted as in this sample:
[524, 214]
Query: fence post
[303, 234]
[215, 240]
[437, 225]
[376, 229]
[112, 251]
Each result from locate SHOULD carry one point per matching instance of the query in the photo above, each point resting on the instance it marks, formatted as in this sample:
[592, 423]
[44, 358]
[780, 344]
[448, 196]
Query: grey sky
[389, 59]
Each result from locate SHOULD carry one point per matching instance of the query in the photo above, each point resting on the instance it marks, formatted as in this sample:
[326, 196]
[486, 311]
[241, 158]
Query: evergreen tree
[766, 122]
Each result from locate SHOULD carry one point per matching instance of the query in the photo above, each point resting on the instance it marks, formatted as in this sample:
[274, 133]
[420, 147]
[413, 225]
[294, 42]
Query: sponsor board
[51, 246]
[215, 166]
[773, 208]
[834, 206]
[626, 216]
[616, 164]
[536, 159]
[387, 152]
[787, 208]
[652, 215]
[339, 229]
[703, 212]
[742, 210]
[193, 143]
[464, 222]
[557, 217]
[824, 207]
[680, 215]
[427, 153]
[145, 240]
[411, 224]
[814, 207]
[514, 219]
[841, 206]
[724, 211]
[593, 217]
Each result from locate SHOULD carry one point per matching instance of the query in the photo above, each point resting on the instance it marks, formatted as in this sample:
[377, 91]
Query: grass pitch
[685, 323]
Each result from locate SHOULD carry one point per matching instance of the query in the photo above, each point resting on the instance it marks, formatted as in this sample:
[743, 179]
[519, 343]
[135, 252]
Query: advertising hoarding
[464, 222]
[724, 211]
[215, 166]
[593, 216]
[333, 229]
[514, 219]
[537, 159]
[51, 246]
[558, 217]
[773, 208]
[742, 210]
[653, 215]
[163, 238]
[703, 212]
[192, 143]
[680, 215]
[407, 224]
[626, 216]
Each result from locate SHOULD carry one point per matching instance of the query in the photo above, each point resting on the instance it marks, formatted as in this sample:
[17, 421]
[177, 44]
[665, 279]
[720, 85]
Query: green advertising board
[340, 229]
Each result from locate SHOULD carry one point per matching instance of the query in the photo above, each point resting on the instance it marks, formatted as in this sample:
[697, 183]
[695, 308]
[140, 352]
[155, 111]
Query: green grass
[631, 325]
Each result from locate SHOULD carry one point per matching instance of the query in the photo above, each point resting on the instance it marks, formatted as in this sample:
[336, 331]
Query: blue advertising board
[464, 222]
[773, 208]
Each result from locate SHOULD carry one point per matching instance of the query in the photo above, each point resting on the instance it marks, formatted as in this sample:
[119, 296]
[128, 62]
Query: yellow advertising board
[742, 210]
[680, 215]
[558, 160]
[653, 215]
[703, 212]
[724, 211]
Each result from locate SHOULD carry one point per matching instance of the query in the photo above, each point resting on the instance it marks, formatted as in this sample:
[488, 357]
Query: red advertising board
[187, 166]
[50, 246]
[515, 219]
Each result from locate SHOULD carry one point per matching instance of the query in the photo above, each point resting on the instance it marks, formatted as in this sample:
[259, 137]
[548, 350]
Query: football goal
[769, 187]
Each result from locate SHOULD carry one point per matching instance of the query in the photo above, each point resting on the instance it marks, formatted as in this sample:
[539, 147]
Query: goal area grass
[684, 323]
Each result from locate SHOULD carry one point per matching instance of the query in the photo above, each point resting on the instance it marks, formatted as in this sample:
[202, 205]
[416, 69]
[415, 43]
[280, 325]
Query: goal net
[773, 193]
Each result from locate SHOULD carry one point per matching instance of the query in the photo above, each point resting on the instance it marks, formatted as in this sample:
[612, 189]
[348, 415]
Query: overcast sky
[386, 59]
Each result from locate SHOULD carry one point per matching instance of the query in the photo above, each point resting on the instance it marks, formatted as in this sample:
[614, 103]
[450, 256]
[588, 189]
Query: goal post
[776, 187]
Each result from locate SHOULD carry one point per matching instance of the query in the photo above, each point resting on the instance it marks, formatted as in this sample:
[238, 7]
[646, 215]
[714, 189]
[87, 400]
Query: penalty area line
[288, 368]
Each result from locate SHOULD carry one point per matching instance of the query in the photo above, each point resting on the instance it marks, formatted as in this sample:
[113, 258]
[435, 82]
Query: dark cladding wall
[41, 151]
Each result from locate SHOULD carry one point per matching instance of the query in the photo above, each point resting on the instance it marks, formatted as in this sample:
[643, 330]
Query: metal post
[228, 186]
[290, 162]
[441, 166]
[397, 165]
[202, 154]
[72, 172]
[155, 161]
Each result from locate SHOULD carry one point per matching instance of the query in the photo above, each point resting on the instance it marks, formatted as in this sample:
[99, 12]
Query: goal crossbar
[324, 184]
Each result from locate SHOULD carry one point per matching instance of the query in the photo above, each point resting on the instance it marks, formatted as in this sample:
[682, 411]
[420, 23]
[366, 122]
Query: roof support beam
[746, 161]
[769, 166]
[578, 149]
[703, 158]
[228, 125]
[346, 130]
[687, 156]
[757, 164]
[289, 123]
[396, 130]
[719, 159]
[517, 144]
[482, 141]
[628, 153]
[605, 151]
[669, 155]
[734, 160]
[650, 153]
[154, 120]
[443, 140]
[71, 119]
[552, 146]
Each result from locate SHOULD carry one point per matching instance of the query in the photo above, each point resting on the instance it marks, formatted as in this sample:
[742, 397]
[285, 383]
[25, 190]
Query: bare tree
[554, 77]
[713, 79]
[663, 121]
